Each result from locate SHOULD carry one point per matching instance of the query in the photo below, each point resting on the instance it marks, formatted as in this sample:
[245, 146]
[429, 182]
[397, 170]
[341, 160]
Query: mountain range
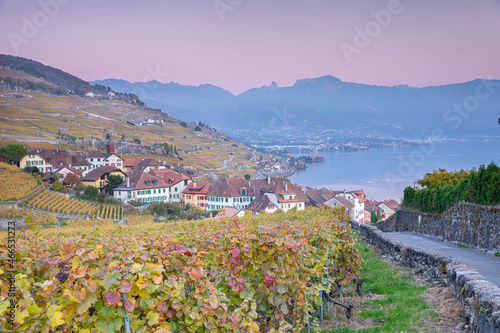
[330, 104]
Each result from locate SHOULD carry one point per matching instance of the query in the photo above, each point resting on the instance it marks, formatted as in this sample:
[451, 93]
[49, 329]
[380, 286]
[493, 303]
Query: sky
[242, 44]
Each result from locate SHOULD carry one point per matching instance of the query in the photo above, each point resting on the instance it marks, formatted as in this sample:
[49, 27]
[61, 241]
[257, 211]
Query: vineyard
[15, 184]
[38, 217]
[56, 203]
[262, 273]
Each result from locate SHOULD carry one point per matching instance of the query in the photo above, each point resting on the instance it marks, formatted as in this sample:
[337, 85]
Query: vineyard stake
[127, 324]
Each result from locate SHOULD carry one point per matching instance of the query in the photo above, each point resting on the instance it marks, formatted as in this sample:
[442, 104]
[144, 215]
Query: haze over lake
[384, 173]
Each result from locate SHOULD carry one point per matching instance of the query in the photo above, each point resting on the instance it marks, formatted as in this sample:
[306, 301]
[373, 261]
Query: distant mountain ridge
[329, 103]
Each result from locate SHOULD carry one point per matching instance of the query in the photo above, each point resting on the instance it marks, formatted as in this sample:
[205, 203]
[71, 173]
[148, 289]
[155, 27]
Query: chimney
[268, 180]
[128, 181]
[194, 184]
[285, 186]
[231, 174]
[344, 193]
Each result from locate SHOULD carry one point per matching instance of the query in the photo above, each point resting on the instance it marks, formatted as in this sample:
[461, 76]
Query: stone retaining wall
[466, 223]
[480, 298]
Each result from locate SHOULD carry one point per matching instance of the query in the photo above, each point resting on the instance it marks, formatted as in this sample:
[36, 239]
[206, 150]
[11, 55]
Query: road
[485, 263]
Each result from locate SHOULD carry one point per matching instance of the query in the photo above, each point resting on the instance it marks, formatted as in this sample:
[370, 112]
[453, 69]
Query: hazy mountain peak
[322, 81]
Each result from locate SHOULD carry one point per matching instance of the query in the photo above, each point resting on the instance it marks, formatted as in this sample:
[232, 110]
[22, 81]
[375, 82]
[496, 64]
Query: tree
[14, 152]
[57, 186]
[55, 177]
[373, 217]
[108, 136]
[248, 177]
[112, 182]
[137, 141]
[379, 215]
[183, 124]
[90, 192]
[175, 151]
[71, 180]
[197, 129]
[31, 169]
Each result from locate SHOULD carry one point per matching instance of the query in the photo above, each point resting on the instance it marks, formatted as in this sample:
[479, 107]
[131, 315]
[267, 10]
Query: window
[98, 160]
[28, 162]
[176, 189]
[91, 160]
[244, 192]
[102, 184]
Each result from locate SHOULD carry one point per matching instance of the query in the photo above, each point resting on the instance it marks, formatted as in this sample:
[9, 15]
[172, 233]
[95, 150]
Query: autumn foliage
[256, 274]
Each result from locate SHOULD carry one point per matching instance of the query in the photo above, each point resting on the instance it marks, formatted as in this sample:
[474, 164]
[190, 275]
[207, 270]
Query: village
[145, 181]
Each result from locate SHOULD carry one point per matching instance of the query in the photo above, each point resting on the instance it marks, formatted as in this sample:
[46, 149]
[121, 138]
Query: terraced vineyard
[38, 217]
[111, 212]
[56, 203]
[14, 183]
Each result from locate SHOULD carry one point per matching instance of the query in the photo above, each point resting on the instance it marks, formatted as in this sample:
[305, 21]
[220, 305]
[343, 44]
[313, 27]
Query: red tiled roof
[277, 187]
[391, 203]
[230, 187]
[345, 202]
[144, 181]
[259, 204]
[197, 188]
[319, 197]
[131, 161]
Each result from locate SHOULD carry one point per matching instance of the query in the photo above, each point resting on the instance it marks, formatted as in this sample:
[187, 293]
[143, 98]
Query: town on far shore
[146, 180]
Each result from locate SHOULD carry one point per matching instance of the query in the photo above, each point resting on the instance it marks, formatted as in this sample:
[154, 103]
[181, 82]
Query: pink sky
[258, 41]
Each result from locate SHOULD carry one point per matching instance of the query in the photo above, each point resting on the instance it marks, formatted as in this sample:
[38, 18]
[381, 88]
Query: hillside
[334, 107]
[29, 115]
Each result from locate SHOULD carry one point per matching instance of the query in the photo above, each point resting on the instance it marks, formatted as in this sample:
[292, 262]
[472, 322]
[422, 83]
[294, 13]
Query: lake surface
[384, 173]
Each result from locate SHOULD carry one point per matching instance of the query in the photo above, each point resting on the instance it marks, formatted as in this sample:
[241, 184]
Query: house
[113, 160]
[147, 165]
[318, 197]
[262, 204]
[196, 194]
[358, 199]
[388, 208]
[144, 187]
[99, 176]
[281, 192]
[41, 158]
[229, 212]
[349, 207]
[78, 162]
[96, 158]
[65, 170]
[130, 163]
[74, 161]
[230, 191]
[177, 182]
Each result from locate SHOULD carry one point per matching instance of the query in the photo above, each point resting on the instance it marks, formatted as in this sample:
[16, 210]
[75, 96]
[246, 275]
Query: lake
[383, 173]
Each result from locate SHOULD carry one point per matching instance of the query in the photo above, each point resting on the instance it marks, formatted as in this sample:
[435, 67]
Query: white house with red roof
[177, 182]
[280, 194]
[144, 187]
[230, 192]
